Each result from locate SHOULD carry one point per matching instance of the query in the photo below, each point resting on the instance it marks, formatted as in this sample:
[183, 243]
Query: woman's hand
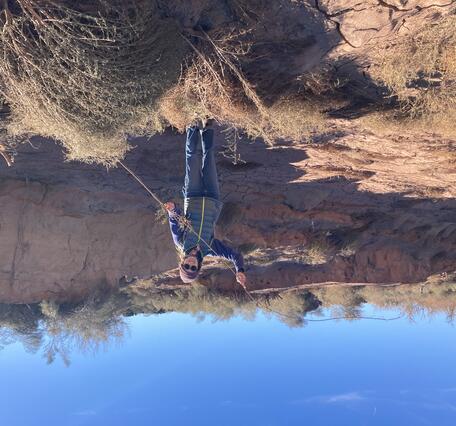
[241, 278]
[170, 206]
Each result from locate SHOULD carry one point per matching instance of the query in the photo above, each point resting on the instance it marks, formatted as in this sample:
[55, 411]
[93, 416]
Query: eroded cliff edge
[351, 206]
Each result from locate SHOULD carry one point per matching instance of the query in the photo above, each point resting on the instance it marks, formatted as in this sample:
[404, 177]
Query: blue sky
[175, 370]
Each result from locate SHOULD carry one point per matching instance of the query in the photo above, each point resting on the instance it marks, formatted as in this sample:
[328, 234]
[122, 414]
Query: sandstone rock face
[361, 24]
[66, 229]
[65, 239]
[382, 208]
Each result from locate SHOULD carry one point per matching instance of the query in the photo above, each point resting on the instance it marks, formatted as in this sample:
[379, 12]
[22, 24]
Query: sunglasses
[190, 267]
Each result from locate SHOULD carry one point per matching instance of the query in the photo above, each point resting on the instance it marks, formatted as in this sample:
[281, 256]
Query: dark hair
[199, 258]
[187, 275]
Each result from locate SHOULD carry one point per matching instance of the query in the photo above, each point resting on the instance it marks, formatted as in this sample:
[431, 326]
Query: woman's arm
[222, 250]
[173, 217]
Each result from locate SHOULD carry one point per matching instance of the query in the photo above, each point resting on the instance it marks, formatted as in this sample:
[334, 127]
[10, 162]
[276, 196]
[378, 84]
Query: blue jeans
[200, 169]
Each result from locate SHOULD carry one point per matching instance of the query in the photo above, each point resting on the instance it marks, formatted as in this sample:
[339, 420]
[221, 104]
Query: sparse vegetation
[316, 253]
[348, 250]
[86, 327]
[58, 330]
[342, 301]
[88, 75]
[420, 71]
[231, 147]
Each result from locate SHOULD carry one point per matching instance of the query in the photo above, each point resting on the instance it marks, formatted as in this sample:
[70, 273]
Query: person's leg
[193, 184]
[210, 178]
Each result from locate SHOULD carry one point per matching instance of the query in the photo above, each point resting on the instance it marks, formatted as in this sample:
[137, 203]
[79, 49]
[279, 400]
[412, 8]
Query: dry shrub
[86, 328]
[420, 71]
[20, 323]
[348, 250]
[214, 85]
[317, 253]
[87, 74]
[425, 299]
[347, 297]
[195, 300]
[294, 118]
[291, 307]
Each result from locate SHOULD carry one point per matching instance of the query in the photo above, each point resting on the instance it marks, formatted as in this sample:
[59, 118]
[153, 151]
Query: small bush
[348, 250]
[317, 253]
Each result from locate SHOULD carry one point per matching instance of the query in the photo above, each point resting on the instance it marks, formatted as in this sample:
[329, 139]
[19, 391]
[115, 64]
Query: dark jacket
[202, 213]
[217, 248]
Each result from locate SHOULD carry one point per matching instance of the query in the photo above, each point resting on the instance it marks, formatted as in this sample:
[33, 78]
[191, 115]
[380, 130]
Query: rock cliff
[351, 206]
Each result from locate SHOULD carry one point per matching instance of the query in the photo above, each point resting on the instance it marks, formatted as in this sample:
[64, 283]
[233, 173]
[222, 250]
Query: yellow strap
[202, 220]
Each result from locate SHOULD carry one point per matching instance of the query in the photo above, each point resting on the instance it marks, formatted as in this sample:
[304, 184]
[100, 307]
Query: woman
[202, 208]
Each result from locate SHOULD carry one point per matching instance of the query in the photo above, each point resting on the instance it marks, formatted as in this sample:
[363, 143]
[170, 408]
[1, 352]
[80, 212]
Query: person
[202, 208]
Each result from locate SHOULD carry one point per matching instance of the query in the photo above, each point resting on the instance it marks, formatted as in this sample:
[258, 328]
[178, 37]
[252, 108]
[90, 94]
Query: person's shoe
[207, 123]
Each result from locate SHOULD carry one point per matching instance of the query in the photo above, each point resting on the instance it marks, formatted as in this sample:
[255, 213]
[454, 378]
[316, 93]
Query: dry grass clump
[420, 71]
[348, 250]
[294, 118]
[87, 74]
[317, 253]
